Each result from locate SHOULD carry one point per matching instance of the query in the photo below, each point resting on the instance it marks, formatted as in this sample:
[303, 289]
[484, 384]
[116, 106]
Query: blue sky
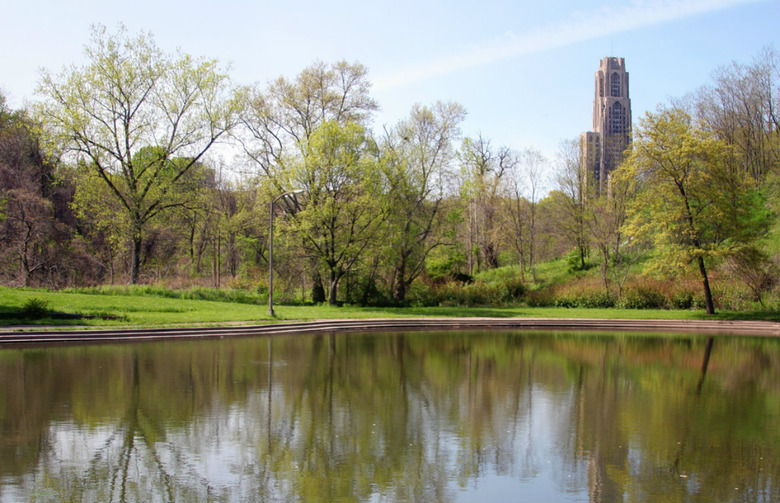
[523, 70]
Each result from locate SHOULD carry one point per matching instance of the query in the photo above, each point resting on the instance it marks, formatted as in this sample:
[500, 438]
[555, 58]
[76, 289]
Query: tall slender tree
[418, 155]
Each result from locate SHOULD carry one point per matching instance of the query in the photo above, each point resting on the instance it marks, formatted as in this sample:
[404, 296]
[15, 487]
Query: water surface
[423, 417]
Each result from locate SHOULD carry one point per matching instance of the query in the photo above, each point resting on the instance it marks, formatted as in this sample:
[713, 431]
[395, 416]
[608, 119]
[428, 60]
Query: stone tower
[601, 150]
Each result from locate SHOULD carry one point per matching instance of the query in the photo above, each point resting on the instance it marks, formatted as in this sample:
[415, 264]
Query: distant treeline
[113, 177]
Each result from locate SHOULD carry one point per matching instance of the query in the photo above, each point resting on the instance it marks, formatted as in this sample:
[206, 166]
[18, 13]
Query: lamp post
[271, 251]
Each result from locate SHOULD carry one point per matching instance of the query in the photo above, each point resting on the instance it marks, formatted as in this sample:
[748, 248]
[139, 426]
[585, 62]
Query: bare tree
[482, 172]
[742, 107]
[417, 162]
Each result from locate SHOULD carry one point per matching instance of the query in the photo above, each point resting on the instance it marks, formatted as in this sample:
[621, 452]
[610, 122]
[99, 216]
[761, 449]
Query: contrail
[578, 28]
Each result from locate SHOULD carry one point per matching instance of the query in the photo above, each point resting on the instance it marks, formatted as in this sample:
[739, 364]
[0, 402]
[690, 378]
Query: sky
[523, 70]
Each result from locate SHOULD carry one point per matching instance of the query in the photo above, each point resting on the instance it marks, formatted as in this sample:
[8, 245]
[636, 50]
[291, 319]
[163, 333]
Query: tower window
[615, 85]
[617, 119]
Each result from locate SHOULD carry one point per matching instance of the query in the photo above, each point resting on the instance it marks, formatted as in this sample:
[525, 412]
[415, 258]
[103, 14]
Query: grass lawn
[152, 310]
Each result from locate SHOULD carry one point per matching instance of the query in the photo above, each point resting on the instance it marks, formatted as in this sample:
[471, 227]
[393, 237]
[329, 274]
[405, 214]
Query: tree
[693, 202]
[482, 167]
[532, 162]
[517, 209]
[34, 217]
[102, 220]
[742, 107]
[128, 112]
[573, 195]
[279, 121]
[343, 208]
[417, 163]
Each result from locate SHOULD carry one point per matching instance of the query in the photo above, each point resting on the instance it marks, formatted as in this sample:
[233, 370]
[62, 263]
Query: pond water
[423, 417]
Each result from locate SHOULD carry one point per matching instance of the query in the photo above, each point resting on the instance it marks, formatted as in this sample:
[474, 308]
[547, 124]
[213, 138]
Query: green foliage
[422, 294]
[578, 294]
[139, 118]
[640, 292]
[259, 296]
[691, 201]
[35, 308]
[446, 262]
[343, 212]
[637, 297]
[574, 262]
[478, 293]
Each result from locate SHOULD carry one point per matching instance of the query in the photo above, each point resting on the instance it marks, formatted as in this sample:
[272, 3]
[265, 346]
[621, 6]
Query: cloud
[578, 28]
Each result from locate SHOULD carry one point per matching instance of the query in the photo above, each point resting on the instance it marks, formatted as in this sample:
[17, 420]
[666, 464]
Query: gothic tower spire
[601, 150]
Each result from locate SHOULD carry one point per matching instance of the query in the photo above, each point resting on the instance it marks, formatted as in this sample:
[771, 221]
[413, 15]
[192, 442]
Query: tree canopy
[692, 201]
[129, 112]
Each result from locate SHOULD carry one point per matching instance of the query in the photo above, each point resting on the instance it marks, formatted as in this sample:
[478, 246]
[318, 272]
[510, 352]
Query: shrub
[540, 298]
[35, 308]
[584, 293]
[421, 294]
[574, 262]
[642, 298]
[454, 293]
[515, 288]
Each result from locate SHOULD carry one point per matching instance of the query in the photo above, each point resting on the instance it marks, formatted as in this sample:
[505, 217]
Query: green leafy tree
[105, 223]
[343, 210]
[279, 120]
[128, 112]
[692, 202]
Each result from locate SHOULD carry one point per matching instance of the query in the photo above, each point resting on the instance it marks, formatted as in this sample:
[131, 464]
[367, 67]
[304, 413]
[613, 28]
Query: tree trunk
[399, 292]
[705, 363]
[334, 283]
[706, 284]
[136, 258]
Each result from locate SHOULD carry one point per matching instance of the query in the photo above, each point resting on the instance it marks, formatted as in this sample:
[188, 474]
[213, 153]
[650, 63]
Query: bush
[584, 293]
[421, 294]
[540, 298]
[35, 309]
[574, 262]
[515, 288]
[642, 298]
[479, 293]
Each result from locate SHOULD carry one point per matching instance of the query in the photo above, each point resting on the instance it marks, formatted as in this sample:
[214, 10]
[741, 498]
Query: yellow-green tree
[279, 120]
[343, 210]
[692, 200]
[128, 112]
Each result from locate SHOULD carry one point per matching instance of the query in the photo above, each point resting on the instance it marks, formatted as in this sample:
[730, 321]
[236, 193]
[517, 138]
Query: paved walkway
[29, 335]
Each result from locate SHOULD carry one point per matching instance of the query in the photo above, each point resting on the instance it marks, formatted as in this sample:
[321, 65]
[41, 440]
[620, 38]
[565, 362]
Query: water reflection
[441, 417]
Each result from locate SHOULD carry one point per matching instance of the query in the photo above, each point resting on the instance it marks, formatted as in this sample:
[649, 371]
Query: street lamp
[271, 251]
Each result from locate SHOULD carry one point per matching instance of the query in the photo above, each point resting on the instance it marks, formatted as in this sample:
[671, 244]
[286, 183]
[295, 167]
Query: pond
[395, 417]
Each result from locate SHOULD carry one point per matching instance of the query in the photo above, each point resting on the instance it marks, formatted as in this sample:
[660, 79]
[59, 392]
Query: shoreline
[31, 335]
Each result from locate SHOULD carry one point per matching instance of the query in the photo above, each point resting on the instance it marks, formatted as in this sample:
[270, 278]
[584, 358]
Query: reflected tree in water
[393, 417]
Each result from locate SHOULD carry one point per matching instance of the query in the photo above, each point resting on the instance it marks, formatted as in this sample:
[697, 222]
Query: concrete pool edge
[14, 336]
